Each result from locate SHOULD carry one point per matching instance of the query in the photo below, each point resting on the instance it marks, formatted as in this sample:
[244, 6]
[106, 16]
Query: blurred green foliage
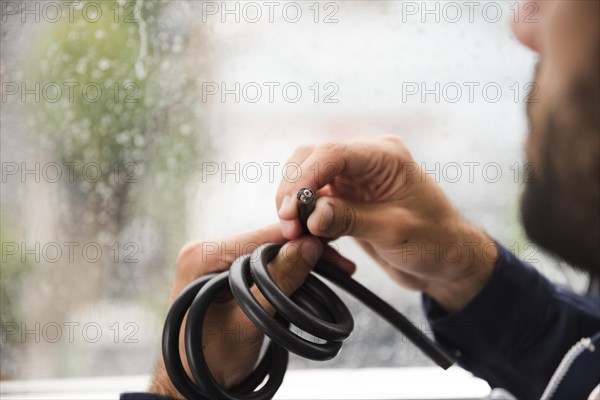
[112, 112]
[11, 274]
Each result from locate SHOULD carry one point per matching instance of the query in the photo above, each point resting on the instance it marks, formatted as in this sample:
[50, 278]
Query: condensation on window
[131, 127]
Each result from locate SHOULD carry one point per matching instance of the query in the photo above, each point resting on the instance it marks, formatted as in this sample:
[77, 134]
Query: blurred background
[131, 127]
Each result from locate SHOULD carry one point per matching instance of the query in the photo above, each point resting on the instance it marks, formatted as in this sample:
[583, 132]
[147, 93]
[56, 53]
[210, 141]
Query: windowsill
[367, 383]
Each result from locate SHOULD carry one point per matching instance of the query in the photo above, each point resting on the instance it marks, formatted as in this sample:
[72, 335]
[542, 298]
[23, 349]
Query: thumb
[334, 217]
[294, 262]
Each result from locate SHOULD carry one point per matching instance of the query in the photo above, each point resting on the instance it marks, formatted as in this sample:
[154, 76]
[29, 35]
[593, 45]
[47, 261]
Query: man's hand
[374, 191]
[232, 343]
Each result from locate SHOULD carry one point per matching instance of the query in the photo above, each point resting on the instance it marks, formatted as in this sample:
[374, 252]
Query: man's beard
[560, 206]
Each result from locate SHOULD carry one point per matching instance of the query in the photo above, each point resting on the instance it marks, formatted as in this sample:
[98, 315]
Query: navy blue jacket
[518, 328]
[515, 332]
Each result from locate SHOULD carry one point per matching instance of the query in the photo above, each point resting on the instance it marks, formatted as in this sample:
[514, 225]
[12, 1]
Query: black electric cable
[314, 308]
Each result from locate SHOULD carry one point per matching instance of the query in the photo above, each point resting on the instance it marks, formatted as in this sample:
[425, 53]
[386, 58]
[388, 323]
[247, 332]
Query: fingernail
[284, 204]
[311, 251]
[287, 228]
[326, 218]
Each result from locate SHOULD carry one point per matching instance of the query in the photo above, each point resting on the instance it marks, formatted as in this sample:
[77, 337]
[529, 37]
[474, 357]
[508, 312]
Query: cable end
[306, 200]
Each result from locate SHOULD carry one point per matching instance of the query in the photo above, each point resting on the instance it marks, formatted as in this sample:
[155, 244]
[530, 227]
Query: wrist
[161, 383]
[463, 279]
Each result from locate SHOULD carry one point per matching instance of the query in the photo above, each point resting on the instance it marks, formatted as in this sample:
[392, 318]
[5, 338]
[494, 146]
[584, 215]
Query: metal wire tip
[305, 196]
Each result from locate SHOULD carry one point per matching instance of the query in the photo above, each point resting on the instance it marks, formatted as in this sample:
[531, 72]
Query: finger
[285, 202]
[332, 159]
[291, 176]
[290, 228]
[319, 167]
[290, 268]
[334, 217]
[327, 161]
[295, 261]
[204, 257]
[293, 264]
[229, 249]
[297, 158]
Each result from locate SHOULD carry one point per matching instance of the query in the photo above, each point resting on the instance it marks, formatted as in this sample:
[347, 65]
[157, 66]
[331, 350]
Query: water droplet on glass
[138, 141]
[140, 69]
[185, 129]
[103, 64]
[81, 66]
[177, 44]
[122, 137]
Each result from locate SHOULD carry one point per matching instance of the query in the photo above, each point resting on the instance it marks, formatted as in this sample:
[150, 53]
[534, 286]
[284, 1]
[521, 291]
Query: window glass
[131, 127]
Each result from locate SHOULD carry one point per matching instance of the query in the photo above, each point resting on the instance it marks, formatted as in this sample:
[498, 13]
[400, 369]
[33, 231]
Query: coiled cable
[314, 308]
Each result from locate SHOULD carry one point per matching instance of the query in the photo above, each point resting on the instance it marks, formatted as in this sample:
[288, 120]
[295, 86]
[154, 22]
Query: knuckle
[302, 150]
[398, 148]
[330, 147]
[289, 254]
[328, 155]
[279, 197]
[347, 220]
[186, 255]
[186, 252]
[192, 259]
[393, 139]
